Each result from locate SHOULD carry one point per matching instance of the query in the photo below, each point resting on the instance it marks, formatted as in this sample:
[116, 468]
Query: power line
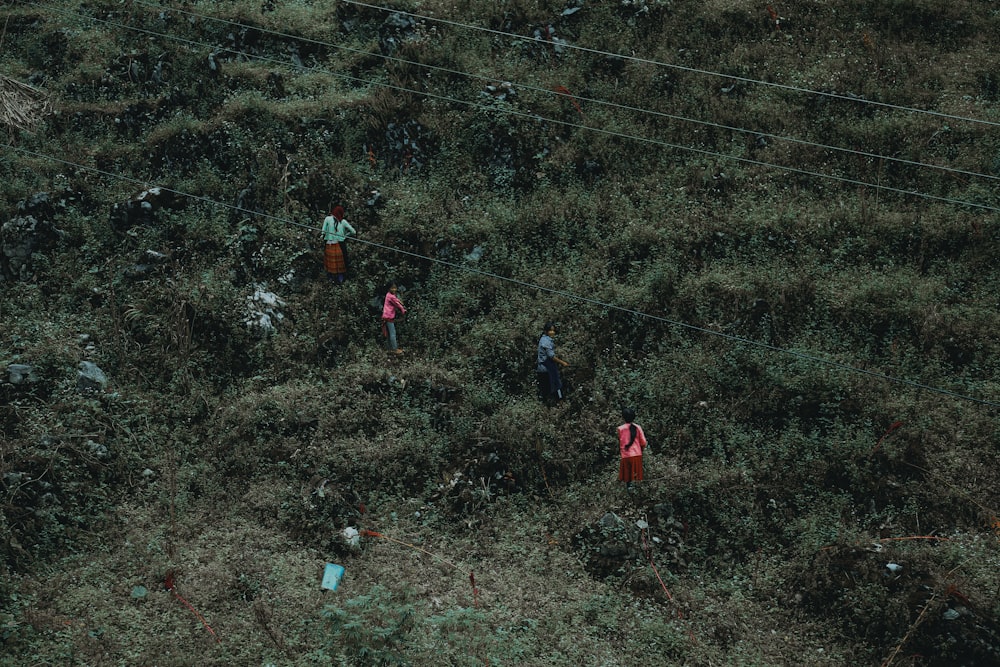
[658, 63]
[580, 98]
[536, 117]
[521, 283]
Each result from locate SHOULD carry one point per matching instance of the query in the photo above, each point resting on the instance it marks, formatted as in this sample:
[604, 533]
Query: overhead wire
[536, 117]
[541, 288]
[578, 98]
[694, 70]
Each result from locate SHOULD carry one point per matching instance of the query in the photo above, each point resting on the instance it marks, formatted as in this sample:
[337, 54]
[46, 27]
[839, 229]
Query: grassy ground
[808, 342]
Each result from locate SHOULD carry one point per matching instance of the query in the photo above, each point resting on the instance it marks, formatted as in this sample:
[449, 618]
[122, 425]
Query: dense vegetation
[787, 268]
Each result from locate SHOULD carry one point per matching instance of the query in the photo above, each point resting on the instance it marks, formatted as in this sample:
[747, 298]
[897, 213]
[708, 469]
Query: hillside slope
[769, 229]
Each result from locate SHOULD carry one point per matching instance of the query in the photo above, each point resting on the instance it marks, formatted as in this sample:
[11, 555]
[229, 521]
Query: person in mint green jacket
[336, 229]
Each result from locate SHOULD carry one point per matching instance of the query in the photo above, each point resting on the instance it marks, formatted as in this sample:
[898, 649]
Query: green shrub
[369, 629]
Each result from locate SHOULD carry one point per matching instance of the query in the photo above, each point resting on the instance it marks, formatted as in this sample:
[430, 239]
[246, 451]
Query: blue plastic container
[332, 575]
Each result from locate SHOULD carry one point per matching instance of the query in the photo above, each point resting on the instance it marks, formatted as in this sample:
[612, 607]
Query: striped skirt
[333, 259]
[630, 469]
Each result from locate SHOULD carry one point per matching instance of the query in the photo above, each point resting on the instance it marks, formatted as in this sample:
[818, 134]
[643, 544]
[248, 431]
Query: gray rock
[21, 374]
[39, 205]
[264, 311]
[610, 521]
[20, 238]
[98, 450]
[141, 209]
[91, 377]
[400, 21]
[664, 511]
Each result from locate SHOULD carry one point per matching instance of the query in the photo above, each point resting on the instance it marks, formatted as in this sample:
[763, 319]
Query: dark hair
[628, 414]
[547, 327]
[389, 285]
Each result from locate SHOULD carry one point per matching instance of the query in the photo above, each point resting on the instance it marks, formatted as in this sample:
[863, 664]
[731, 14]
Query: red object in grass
[887, 433]
[774, 17]
[168, 583]
[563, 90]
[953, 592]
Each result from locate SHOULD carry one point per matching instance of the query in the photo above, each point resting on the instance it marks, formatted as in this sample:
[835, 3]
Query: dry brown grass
[21, 106]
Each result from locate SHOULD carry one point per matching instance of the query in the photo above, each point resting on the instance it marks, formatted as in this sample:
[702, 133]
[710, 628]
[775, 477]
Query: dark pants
[549, 382]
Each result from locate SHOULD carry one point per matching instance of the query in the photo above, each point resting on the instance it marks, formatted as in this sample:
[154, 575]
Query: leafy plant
[369, 629]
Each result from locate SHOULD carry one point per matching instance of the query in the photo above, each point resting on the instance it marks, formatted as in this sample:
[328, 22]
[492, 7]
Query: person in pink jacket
[391, 309]
[631, 444]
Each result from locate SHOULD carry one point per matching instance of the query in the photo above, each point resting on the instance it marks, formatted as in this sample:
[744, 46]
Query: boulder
[91, 378]
[140, 209]
[263, 311]
[21, 374]
[20, 239]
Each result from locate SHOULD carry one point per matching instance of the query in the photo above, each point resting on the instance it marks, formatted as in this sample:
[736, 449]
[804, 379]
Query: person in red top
[631, 443]
[391, 309]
